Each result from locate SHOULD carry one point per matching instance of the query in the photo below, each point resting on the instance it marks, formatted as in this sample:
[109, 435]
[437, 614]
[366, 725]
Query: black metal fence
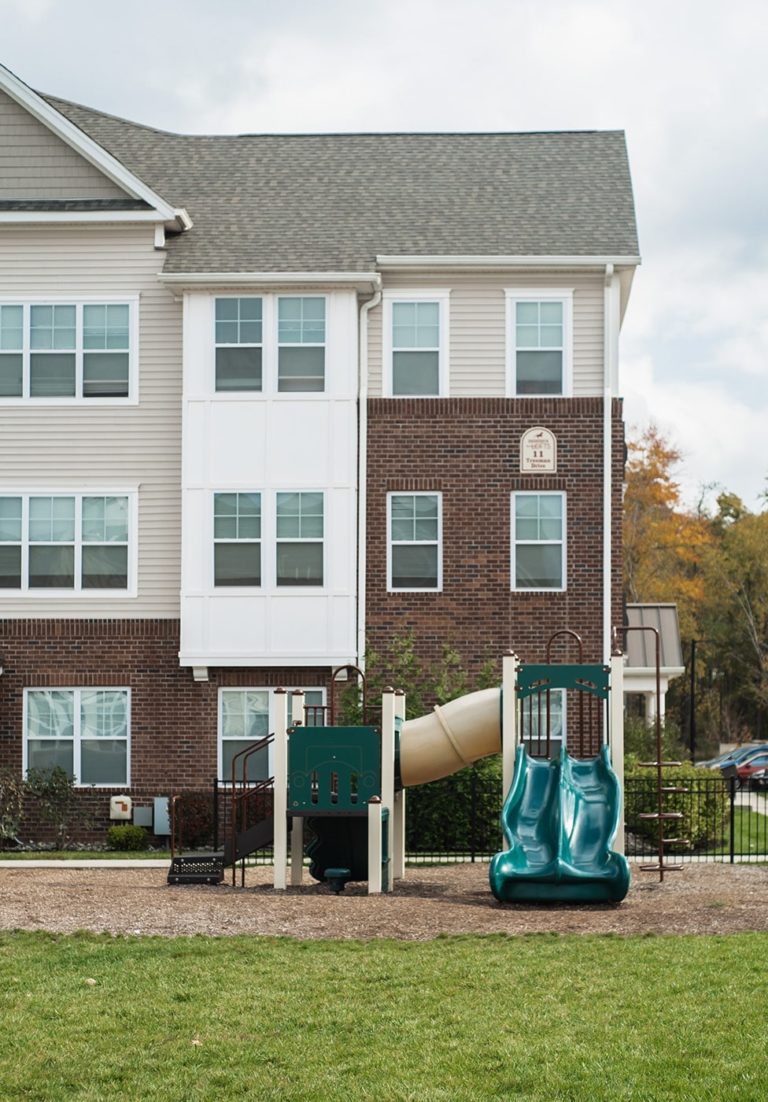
[448, 821]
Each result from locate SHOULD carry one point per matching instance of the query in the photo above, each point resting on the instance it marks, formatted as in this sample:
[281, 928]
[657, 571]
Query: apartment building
[266, 397]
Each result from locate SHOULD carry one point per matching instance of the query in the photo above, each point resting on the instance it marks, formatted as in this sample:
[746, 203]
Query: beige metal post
[388, 712]
[297, 822]
[374, 845]
[617, 738]
[280, 795]
[509, 732]
[398, 832]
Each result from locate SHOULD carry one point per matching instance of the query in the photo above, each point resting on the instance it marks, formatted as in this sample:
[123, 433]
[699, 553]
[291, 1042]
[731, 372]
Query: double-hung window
[239, 343]
[539, 342]
[300, 523]
[67, 350]
[67, 542]
[237, 539]
[538, 541]
[544, 713]
[301, 344]
[245, 718]
[85, 732]
[416, 344]
[415, 537]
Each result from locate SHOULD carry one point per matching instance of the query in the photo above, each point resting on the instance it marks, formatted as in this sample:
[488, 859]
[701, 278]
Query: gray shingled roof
[333, 202]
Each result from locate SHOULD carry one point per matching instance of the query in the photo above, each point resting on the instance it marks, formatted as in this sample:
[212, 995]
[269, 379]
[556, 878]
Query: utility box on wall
[120, 807]
[162, 817]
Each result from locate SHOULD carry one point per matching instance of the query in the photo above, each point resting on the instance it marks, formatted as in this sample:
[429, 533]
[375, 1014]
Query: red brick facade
[174, 721]
[469, 450]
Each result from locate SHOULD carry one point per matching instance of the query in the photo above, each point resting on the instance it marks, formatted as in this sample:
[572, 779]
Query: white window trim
[513, 295]
[416, 493]
[270, 720]
[76, 738]
[27, 301]
[544, 543]
[270, 347]
[269, 541]
[442, 297]
[76, 593]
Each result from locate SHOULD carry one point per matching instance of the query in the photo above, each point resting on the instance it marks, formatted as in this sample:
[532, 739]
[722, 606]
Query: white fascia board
[213, 660]
[30, 216]
[237, 279]
[650, 671]
[78, 140]
[505, 261]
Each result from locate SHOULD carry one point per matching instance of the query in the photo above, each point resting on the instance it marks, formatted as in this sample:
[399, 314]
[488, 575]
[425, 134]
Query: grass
[541, 1018]
[84, 855]
[750, 832]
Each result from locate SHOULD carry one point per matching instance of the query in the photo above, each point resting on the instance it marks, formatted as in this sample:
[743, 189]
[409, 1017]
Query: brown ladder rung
[662, 868]
[664, 815]
[676, 841]
[674, 788]
[656, 764]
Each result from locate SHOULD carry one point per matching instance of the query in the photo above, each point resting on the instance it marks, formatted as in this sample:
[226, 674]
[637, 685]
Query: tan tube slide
[453, 736]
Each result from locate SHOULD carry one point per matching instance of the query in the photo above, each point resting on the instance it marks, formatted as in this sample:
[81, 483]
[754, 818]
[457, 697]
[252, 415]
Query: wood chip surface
[703, 899]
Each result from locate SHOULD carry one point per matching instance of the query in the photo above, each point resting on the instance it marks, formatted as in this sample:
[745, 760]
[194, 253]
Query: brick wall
[468, 448]
[173, 718]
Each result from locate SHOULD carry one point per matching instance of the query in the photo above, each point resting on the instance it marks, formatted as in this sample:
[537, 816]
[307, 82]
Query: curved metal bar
[565, 631]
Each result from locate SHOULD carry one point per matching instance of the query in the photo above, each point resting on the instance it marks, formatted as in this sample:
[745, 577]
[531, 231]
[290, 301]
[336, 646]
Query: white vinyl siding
[85, 732]
[91, 444]
[477, 329]
[36, 164]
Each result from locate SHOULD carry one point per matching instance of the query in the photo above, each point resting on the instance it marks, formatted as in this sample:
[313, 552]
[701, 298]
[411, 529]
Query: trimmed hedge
[447, 816]
[705, 806]
[127, 836]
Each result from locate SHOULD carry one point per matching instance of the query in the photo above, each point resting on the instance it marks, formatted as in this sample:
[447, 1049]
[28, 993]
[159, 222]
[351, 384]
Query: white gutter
[610, 387]
[505, 261]
[32, 216]
[349, 279]
[362, 468]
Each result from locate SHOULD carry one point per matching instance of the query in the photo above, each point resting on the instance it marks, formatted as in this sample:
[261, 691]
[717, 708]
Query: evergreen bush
[127, 836]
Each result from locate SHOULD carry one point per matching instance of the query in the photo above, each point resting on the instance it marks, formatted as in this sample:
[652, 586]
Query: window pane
[10, 518]
[105, 567]
[105, 375]
[237, 564]
[51, 567]
[11, 328]
[301, 369]
[50, 714]
[238, 369]
[104, 761]
[415, 325]
[538, 567]
[105, 326]
[11, 375]
[539, 372]
[551, 313]
[299, 564]
[237, 516]
[414, 567]
[299, 515]
[415, 373]
[46, 754]
[403, 529]
[256, 766]
[10, 567]
[103, 714]
[256, 714]
[301, 320]
[105, 519]
[52, 375]
[227, 309]
[527, 313]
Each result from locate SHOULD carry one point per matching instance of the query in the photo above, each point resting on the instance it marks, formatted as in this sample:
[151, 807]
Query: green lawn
[535, 1018]
[84, 855]
[750, 832]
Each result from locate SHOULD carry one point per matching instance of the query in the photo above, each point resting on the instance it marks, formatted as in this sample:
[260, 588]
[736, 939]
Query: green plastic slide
[560, 820]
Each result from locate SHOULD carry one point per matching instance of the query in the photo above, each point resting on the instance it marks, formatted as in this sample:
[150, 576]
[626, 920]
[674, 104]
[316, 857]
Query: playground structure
[561, 819]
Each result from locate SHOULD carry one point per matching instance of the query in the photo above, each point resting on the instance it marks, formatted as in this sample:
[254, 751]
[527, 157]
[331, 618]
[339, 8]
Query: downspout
[362, 467]
[610, 387]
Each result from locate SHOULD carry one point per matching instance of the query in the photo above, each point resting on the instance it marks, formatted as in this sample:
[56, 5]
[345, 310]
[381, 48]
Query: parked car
[760, 779]
[747, 769]
[734, 757]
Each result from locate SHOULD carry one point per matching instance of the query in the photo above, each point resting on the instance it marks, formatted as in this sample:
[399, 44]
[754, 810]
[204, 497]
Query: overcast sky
[684, 78]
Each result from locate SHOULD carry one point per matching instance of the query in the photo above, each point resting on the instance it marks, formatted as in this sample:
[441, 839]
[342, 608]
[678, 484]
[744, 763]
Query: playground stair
[197, 868]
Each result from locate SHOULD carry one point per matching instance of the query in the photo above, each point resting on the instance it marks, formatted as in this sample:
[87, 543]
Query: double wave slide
[560, 819]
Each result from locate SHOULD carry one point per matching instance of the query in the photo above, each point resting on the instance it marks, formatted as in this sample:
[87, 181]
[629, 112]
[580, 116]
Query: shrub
[704, 806]
[57, 799]
[127, 836]
[11, 801]
[194, 819]
[460, 813]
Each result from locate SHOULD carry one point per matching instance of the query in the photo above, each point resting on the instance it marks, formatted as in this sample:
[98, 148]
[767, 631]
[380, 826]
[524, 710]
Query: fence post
[215, 813]
[732, 787]
[473, 815]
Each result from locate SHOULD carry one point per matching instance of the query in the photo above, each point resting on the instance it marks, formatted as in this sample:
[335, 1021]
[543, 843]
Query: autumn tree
[664, 543]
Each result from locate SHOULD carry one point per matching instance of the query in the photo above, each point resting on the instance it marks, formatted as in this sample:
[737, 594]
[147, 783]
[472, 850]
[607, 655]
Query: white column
[509, 732]
[280, 795]
[616, 706]
[297, 708]
[374, 846]
[398, 830]
[388, 764]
